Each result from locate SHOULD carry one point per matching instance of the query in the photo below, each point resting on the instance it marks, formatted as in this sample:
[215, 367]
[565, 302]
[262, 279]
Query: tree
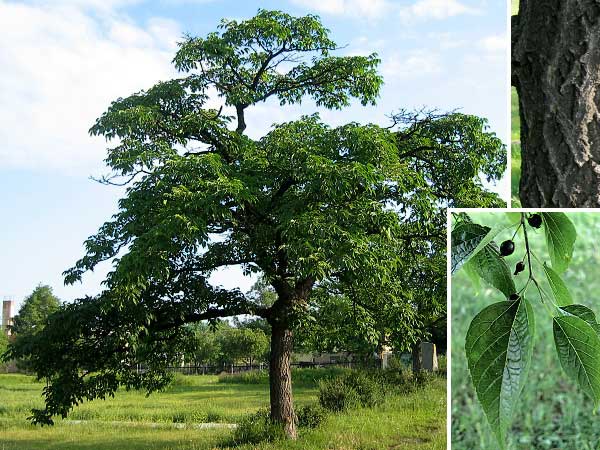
[34, 312]
[3, 342]
[555, 62]
[242, 344]
[300, 206]
[203, 347]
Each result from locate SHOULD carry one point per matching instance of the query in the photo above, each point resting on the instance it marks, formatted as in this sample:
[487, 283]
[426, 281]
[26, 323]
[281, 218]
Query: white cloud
[61, 69]
[497, 43]
[413, 64]
[357, 8]
[435, 9]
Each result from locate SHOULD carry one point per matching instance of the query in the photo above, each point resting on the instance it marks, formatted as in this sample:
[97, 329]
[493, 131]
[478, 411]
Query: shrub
[370, 390]
[256, 428]
[336, 396]
[311, 416]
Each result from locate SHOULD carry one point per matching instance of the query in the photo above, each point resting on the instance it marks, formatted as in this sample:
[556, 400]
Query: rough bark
[280, 379]
[556, 70]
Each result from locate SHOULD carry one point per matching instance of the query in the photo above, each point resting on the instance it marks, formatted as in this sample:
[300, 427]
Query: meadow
[552, 412]
[169, 419]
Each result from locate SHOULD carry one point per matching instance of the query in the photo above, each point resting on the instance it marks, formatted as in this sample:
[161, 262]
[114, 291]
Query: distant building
[7, 315]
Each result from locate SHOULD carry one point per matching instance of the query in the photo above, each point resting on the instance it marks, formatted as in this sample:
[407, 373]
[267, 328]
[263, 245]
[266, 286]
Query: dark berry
[535, 220]
[507, 248]
[519, 268]
[514, 297]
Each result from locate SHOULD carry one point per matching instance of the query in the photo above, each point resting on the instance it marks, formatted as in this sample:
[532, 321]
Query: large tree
[303, 205]
[555, 67]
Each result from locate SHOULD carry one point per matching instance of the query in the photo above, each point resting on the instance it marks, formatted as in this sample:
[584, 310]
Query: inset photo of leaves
[525, 337]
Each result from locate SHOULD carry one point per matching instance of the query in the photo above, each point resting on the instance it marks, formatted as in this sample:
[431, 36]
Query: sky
[64, 61]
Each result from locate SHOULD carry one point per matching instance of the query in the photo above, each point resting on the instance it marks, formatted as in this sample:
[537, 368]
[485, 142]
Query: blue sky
[63, 61]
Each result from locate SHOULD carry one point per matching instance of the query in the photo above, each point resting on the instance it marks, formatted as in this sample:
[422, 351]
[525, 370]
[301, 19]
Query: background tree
[3, 342]
[301, 206]
[202, 347]
[242, 344]
[34, 312]
[555, 66]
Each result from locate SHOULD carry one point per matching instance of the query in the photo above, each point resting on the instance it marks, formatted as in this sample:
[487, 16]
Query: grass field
[132, 421]
[552, 412]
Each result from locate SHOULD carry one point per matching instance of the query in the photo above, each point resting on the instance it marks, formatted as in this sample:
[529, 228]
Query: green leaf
[583, 312]
[465, 238]
[513, 217]
[498, 346]
[560, 237]
[492, 268]
[558, 287]
[578, 347]
[472, 274]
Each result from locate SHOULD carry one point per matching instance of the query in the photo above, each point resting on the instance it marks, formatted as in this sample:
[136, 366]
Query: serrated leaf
[465, 238]
[578, 347]
[489, 237]
[472, 273]
[560, 237]
[558, 287]
[492, 268]
[498, 346]
[583, 312]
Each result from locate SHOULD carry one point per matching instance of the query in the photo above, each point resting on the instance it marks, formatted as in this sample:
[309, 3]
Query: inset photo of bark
[525, 331]
[556, 103]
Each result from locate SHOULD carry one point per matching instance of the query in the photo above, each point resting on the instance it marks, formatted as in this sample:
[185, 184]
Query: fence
[234, 368]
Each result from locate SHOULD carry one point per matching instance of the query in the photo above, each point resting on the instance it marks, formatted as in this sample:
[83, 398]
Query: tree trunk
[556, 70]
[280, 379]
[416, 357]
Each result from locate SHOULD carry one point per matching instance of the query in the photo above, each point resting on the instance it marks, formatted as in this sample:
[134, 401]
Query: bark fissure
[556, 70]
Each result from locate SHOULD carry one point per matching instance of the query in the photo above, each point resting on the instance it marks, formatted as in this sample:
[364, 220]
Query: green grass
[415, 420]
[552, 413]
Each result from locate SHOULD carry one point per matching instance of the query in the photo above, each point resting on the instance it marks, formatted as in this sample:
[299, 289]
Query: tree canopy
[358, 205]
[34, 311]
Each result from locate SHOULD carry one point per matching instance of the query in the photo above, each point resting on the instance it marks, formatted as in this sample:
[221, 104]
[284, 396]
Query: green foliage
[560, 237]
[499, 341]
[311, 416]
[34, 311]
[350, 391]
[558, 287]
[498, 348]
[492, 268]
[337, 397]
[258, 427]
[307, 206]
[237, 344]
[578, 347]
[3, 343]
[466, 238]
